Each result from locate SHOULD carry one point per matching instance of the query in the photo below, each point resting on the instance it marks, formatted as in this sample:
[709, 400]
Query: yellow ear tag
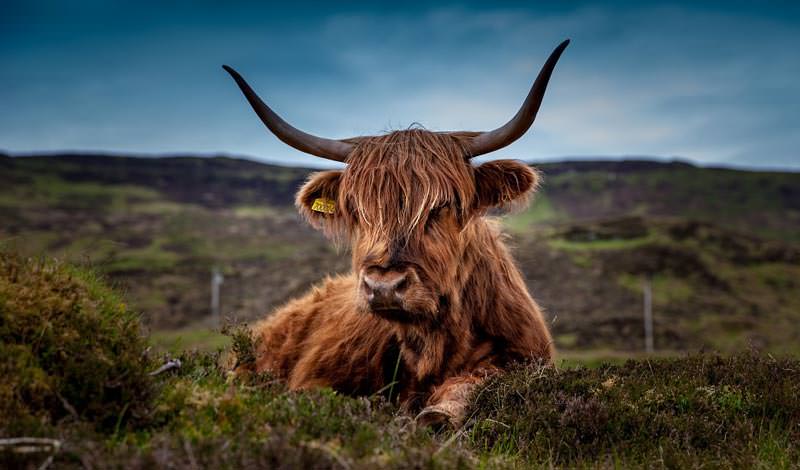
[324, 205]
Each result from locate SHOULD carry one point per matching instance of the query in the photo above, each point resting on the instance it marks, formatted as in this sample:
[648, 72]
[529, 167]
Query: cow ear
[317, 202]
[504, 184]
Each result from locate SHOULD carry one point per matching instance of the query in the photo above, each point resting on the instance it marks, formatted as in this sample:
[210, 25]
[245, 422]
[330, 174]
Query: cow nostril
[367, 287]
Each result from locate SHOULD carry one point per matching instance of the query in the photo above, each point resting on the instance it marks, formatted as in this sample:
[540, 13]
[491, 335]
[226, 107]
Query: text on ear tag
[324, 205]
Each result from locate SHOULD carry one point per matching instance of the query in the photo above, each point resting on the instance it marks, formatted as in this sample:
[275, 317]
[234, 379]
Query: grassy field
[91, 403]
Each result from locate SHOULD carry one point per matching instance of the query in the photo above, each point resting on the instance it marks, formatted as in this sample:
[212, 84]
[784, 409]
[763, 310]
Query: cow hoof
[434, 417]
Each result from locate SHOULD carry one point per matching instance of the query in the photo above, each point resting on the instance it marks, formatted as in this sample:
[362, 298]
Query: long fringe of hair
[412, 172]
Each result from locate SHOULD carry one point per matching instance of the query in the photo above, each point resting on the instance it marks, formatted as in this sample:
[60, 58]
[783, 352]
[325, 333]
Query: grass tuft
[685, 412]
[69, 348]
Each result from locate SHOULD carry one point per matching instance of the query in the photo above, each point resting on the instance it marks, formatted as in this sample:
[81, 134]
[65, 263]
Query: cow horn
[486, 142]
[326, 148]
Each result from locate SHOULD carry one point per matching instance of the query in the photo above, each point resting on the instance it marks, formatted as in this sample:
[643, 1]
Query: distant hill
[211, 182]
[758, 202]
[720, 245]
[762, 202]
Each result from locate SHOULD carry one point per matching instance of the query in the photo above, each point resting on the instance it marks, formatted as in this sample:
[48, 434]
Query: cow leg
[448, 403]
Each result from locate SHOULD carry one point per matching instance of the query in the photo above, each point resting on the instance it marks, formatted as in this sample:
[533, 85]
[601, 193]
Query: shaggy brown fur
[410, 201]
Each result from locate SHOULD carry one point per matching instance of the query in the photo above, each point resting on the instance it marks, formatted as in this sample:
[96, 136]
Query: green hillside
[766, 204]
[720, 246]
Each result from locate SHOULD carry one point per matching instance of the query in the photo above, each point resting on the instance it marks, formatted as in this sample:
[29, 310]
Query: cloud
[708, 84]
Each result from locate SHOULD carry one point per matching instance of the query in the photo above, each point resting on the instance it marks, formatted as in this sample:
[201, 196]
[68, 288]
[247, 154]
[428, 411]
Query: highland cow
[434, 303]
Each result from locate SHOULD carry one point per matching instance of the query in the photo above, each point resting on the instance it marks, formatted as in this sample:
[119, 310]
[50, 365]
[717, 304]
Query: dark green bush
[69, 347]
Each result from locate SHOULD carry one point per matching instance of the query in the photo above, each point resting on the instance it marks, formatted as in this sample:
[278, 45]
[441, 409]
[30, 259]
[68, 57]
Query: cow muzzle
[385, 289]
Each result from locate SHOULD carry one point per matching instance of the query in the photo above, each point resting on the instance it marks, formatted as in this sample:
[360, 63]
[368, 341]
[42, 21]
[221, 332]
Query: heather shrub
[738, 410]
[69, 348]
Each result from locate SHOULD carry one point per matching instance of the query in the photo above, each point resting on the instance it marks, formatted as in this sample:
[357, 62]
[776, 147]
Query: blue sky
[713, 83]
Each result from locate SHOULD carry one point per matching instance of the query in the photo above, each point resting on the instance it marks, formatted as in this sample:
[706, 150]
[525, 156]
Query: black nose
[384, 290]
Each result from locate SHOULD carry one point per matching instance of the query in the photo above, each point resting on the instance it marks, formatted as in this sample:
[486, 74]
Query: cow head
[407, 202]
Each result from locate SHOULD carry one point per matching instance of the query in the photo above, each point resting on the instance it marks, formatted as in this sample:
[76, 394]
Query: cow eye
[436, 213]
[351, 209]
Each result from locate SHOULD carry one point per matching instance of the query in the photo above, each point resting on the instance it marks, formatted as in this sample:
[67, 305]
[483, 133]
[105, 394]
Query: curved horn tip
[560, 48]
[487, 142]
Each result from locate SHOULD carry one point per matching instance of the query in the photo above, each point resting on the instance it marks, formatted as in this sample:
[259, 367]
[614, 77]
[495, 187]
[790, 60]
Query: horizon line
[332, 165]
